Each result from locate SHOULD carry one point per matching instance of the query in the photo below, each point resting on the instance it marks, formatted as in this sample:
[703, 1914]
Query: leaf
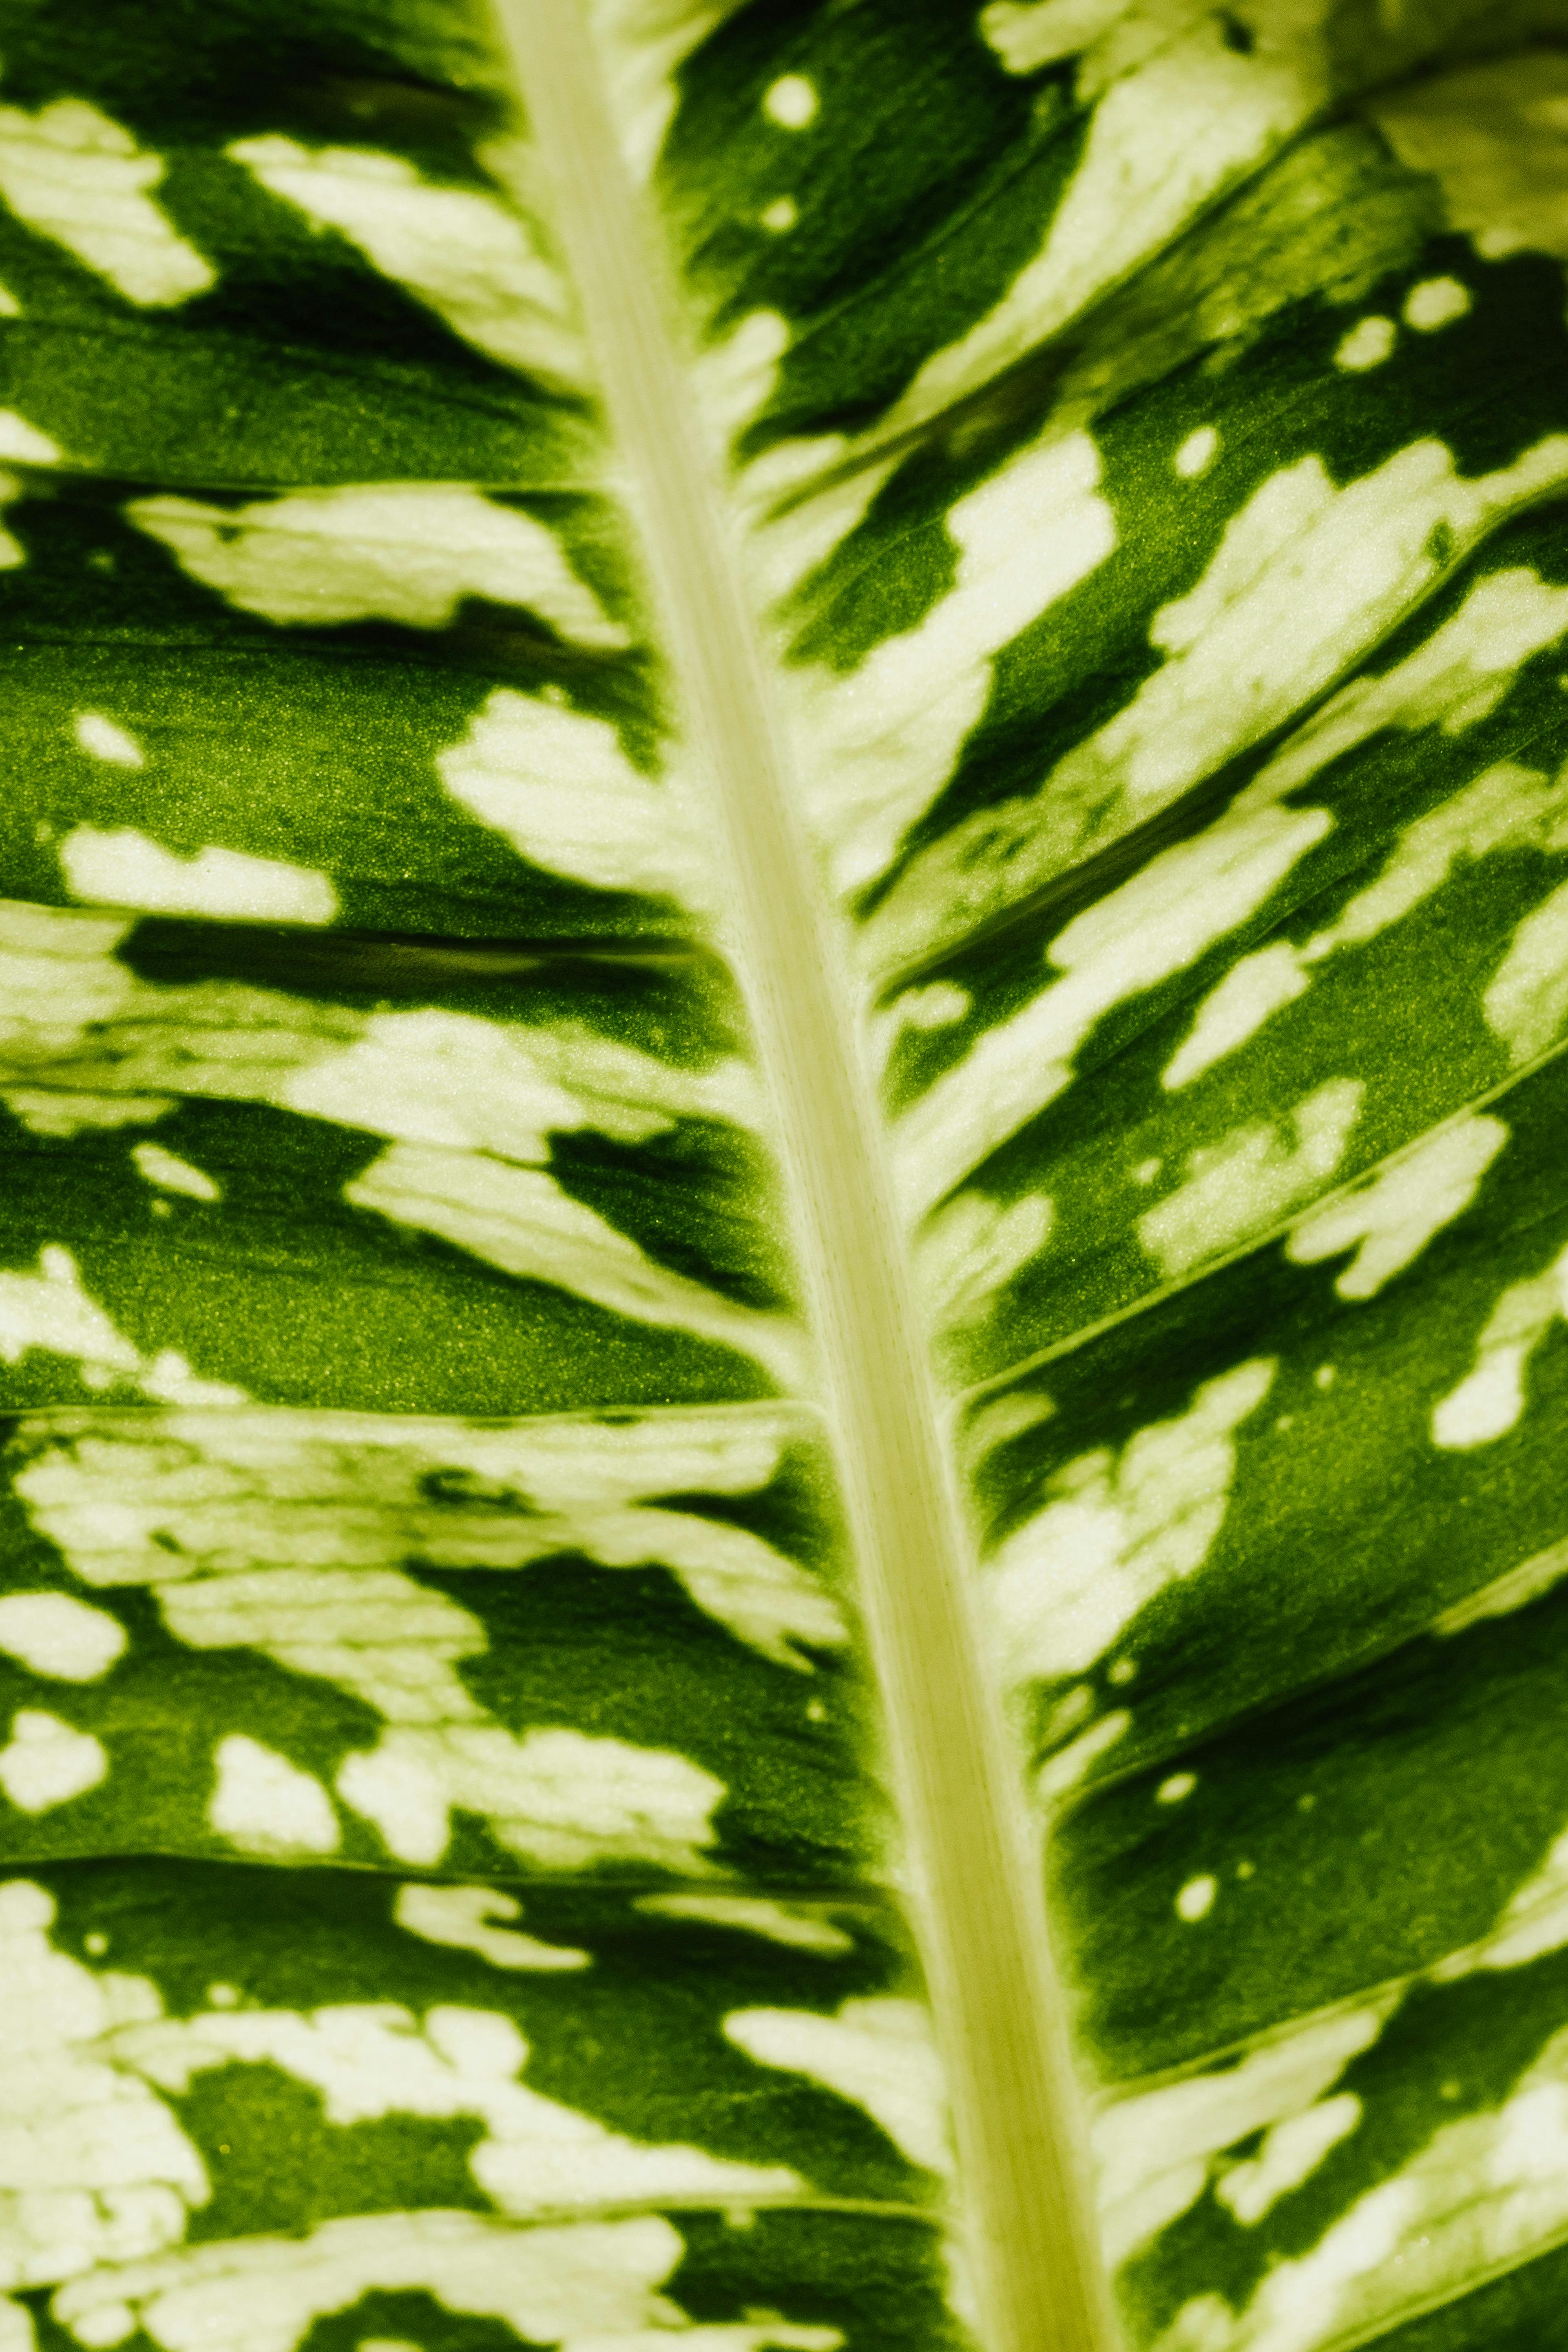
[781, 1019]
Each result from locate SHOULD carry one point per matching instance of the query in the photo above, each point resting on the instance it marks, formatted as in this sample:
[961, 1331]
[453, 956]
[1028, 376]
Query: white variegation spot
[1028, 34]
[94, 2169]
[790, 102]
[51, 1311]
[406, 552]
[1367, 346]
[580, 2284]
[1289, 2153]
[1479, 2196]
[47, 1762]
[26, 443]
[1069, 1765]
[734, 378]
[1197, 453]
[561, 1800]
[1062, 1587]
[780, 216]
[973, 1246]
[328, 1498]
[1251, 992]
[1156, 2149]
[120, 866]
[1489, 1400]
[1526, 999]
[265, 1805]
[520, 1220]
[469, 1920]
[642, 45]
[803, 1927]
[1256, 1175]
[468, 257]
[373, 2061]
[50, 1634]
[1171, 1791]
[1515, 1589]
[562, 790]
[1435, 304]
[1180, 117]
[172, 1174]
[103, 739]
[1155, 925]
[1492, 136]
[75, 175]
[935, 1006]
[1194, 1900]
[876, 2053]
[791, 535]
[878, 745]
[1390, 1219]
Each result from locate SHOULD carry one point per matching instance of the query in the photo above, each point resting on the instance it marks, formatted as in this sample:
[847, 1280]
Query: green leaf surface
[783, 989]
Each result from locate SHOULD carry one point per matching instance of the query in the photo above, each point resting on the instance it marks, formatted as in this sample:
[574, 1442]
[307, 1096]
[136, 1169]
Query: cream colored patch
[803, 1927]
[1289, 2153]
[170, 1173]
[1194, 1900]
[470, 258]
[877, 2053]
[642, 44]
[588, 2285]
[126, 868]
[1155, 925]
[1526, 1001]
[1495, 138]
[520, 1220]
[265, 1805]
[469, 1920]
[1179, 118]
[1256, 1176]
[734, 378]
[561, 1800]
[101, 739]
[94, 2169]
[52, 1634]
[408, 552]
[972, 1248]
[1250, 993]
[1157, 2150]
[1435, 304]
[47, 1762]
[790, 102]
[1398, 1211]
[1513, 1590]
[1489, 1400]
[25, 444]
[371, 2061]
[1367, 346]
[75, 175]
[1113, 1532]
[1028, 34]
[339, 1502]
[564, 792]
[1197, 453]
[51, 1311]
[878, 746]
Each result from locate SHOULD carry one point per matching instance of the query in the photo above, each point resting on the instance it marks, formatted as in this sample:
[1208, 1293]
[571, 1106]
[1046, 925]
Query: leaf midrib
[969, 1856]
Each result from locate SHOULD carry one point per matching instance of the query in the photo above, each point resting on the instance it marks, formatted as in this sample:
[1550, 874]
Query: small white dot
[1367, 346]
[97, 1943]
[782, 213]
[1196, 1898]
[1146, 1170]
[1286, 1421]
[223, 1996]
[1179, 1785]
[1123, 1670]
[1324, 1376]
[103, 740]
[815, 1711]
[161, 1209]
[1197, 453]
[1437, 303]
[1245, 1869]
[790, 102]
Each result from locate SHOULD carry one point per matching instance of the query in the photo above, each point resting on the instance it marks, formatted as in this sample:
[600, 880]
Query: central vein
[969, 1855]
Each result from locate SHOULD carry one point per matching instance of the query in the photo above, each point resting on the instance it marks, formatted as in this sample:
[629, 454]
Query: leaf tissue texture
[784, 1240]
